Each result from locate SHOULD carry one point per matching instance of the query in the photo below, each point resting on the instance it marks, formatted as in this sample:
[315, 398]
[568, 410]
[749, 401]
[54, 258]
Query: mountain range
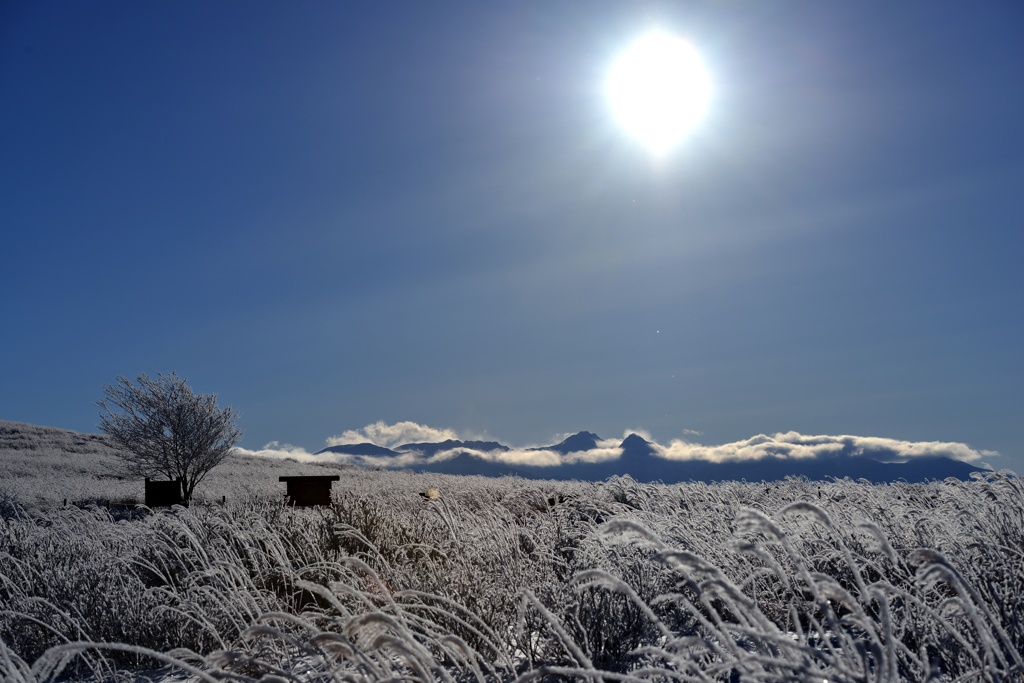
[639, 460]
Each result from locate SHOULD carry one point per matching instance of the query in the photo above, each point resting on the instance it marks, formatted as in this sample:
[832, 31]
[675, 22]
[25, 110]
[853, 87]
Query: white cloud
[389, 435]
[281, 451]
[602, 453]
[406, 459]
[557, 438]
[606, 450]
[793, 445]
[642, 433]
[512, 457]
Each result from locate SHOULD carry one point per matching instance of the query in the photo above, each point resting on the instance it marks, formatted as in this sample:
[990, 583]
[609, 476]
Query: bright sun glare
[658, 90]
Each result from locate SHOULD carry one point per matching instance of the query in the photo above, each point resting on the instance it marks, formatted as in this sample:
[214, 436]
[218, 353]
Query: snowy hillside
[429, 577]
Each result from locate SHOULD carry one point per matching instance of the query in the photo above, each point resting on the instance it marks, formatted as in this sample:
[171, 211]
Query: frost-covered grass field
[504, 579]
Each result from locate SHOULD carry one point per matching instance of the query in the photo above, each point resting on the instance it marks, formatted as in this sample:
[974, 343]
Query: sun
[658, 90]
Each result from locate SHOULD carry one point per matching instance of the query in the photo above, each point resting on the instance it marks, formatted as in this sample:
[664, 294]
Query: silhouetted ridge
[640, 459]
[358, 449]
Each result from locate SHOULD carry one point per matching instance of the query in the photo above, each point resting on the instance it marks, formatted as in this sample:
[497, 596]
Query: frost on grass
[511, 579]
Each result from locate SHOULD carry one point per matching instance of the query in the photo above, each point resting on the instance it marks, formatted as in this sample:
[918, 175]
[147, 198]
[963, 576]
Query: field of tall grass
[428, 577]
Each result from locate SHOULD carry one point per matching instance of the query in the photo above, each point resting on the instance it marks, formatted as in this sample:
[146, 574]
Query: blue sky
[333, 214]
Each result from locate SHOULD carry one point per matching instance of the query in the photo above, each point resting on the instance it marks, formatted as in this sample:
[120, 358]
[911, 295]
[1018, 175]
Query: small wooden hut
[309, 490]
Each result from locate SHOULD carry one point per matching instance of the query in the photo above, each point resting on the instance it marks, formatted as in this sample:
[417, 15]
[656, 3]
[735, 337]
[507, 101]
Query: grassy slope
[44, 466]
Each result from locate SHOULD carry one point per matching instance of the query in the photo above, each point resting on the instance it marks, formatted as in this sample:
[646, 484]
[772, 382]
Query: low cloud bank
[783, 445]
[388, 436]
[796, 446]
[280, 451]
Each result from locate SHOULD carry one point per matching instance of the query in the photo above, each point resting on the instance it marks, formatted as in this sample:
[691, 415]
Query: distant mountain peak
[580, 441]
[635, 446]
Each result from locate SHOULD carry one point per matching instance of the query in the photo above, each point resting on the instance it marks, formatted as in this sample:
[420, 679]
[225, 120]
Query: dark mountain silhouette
[358, 449]
[639, 460]
[638, 455]
[824, 467]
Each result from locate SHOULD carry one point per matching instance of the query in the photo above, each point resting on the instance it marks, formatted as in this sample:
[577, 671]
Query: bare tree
[164, 428]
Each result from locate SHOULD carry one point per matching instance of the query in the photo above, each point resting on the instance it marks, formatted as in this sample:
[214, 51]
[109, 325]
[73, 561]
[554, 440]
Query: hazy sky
[332, 214]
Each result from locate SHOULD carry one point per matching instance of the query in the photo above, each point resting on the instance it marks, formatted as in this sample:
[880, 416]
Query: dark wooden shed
[163, 493]
[310, 490]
